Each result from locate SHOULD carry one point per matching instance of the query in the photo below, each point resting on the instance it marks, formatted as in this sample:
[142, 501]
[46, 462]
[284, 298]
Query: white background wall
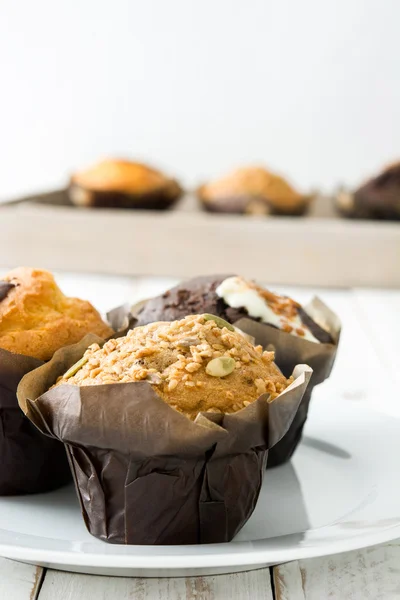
[311, 88]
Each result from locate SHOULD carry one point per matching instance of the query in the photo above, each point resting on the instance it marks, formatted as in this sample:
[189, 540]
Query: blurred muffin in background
[115, 183]
[378, 198]
[252, 190]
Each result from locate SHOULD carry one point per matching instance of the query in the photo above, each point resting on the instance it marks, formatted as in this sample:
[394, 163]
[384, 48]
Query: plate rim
[241, 557]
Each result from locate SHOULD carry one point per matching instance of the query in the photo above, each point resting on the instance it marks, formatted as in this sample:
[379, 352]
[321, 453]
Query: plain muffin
[36, 318]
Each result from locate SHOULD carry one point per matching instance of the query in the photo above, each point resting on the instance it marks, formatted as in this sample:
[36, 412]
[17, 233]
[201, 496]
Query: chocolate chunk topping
[198, 296]
[5, 287]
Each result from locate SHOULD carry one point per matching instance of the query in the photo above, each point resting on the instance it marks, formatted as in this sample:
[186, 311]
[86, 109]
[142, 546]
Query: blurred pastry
[36, 318]
[252, 190]
[378, 198]
[123, 184]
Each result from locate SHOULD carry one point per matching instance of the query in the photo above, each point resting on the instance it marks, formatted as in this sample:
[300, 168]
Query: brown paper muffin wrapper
[146, 474]
[290, 351]
[121, 319]
[251, 205]
[30, 462]
[160, 199]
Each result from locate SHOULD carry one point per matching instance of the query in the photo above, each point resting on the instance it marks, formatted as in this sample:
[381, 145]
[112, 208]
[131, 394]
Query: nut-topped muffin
[36, 318]
[378, 198]
[252, 190]
[175, 416]
[232, 298]
[197, 364]
[123, 184]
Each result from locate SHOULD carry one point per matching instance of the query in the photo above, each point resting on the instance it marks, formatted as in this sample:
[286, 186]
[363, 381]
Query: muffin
[35, 320]
[198, 364]
[123, 184]
[176, 416]
[252, 190]
[233, 298]
[297, 334]
[378, 198]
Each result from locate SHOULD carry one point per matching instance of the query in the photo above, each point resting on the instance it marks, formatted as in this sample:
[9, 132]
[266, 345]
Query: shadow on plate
[325, 447]
[280, 510]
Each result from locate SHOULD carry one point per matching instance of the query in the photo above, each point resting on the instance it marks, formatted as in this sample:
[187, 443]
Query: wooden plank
[251, 585]
[372, 573]
[19, 581]
[288, 583]
[285, 250]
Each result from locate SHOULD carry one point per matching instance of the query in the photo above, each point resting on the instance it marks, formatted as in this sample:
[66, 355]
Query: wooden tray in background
[321, 207]
[320, 249]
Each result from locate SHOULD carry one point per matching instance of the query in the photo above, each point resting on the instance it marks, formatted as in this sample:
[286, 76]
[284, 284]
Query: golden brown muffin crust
[254, 182]
[122, 176]
[177, 359]
[36, 318]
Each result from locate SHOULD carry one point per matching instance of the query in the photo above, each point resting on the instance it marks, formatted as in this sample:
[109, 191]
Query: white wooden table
[367, 369]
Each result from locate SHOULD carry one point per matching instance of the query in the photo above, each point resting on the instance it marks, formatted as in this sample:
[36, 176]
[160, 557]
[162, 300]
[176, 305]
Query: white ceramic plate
[340, 492]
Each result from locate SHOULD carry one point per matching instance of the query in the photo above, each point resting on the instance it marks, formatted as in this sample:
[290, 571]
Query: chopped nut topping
[214, 369]
[261, 386]
[172, 384]
[192, 367]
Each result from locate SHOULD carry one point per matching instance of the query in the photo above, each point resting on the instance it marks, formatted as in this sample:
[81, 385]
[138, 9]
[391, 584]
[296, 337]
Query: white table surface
[366, 371]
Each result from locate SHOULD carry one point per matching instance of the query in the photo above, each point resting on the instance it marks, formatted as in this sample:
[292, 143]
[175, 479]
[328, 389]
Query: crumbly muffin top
[121, 176]
[260, 303]
[255, 182]
[36, 318]
[199, 363]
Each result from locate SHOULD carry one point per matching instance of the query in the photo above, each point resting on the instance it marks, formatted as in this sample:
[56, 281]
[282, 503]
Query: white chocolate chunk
[237, 293]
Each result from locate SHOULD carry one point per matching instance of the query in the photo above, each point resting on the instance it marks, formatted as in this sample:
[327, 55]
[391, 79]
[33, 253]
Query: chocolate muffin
[378, 198]
[36, 318]
[123, 184]
[252, 190]
[197, 364]
[233, 298]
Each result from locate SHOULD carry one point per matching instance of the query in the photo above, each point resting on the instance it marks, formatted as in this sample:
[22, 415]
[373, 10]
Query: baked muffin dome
[252, 190]
[123, 184]
[378, 198]
[36, 318]
[232, 297]
[199, 363]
